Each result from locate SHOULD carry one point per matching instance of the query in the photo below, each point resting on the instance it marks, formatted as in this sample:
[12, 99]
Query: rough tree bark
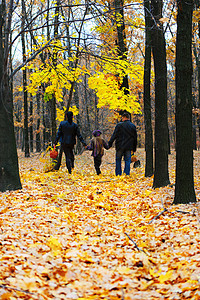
[184, 186]
[9, 170]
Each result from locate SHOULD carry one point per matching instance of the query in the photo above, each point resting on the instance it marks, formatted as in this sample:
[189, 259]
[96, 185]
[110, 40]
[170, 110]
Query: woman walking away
[97, 145]
[67, 133]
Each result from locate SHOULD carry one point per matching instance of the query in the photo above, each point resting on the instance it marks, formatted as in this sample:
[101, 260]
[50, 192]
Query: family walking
[124, 135]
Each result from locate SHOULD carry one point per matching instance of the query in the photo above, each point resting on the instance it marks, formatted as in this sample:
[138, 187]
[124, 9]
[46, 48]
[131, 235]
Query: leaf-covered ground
[84, 236]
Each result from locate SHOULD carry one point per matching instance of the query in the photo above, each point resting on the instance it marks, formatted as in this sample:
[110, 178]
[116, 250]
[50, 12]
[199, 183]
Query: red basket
[53, 153]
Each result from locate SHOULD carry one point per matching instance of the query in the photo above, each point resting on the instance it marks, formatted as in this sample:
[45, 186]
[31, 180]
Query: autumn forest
[81, 235]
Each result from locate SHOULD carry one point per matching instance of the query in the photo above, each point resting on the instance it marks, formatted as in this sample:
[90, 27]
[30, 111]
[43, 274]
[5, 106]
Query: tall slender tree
[196, 50]
[184, 186]
[31, 124]
[54, 58]
[161, 173]
[38, 135]
[147, 93]
[25, 93]
[121, 38]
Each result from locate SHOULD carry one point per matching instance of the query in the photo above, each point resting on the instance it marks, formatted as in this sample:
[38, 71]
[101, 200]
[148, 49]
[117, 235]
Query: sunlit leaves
[107, 83]
[55, 77]
[55, 74]
[61, 112]
[63, 236]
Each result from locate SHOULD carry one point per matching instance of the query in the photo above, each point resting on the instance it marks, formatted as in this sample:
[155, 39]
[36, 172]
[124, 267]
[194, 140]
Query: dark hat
[96, 133]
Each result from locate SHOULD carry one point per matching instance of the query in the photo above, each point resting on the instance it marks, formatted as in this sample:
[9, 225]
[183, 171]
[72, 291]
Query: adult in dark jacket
[125, 137]
[67, 132]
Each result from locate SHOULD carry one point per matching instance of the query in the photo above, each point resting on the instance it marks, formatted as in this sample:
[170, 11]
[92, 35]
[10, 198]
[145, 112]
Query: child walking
[97, 145]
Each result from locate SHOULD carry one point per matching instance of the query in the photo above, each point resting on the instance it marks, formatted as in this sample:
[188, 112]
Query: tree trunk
[46, 116]
[194, 134]
[47, 135]
[57, 162]
[9, 170]
[26, 136]
[53, 118]
[121, 38]
[184, 186]
[78, 121]
[121, 41]
[96, 112]
[197, 56]
[38, 139]
[198, 105]
[31, 124]
[87, 105]
[161, 174]
[31, 118]
[147, 94]
[53, 100]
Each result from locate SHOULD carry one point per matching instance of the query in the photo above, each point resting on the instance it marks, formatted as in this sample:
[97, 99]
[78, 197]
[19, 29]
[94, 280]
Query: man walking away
[67, 132]
[125, 137]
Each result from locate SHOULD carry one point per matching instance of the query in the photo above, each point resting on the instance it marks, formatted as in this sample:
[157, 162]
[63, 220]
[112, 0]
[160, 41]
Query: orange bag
[133, 158]
[53, 153]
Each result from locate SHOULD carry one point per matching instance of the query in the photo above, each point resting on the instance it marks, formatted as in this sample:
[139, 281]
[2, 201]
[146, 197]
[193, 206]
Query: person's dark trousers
[58, 160]
[68, 150]
[127, 158]
[97, 164]
[72, 158]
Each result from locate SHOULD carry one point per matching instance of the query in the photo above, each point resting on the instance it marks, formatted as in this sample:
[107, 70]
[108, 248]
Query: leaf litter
[84, 236]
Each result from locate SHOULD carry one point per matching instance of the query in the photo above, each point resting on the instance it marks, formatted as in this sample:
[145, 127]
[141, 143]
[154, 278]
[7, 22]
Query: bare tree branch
[32, 57]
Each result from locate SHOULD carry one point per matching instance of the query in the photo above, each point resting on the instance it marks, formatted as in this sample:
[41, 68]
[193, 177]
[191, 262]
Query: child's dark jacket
[94, 148]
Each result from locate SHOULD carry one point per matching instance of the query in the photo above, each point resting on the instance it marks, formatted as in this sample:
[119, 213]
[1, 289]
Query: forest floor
[84, 236]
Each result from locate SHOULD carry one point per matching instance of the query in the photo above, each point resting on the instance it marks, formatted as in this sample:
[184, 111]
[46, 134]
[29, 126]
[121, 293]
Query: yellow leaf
[165, 277]
[123, 270]
[54, 244]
